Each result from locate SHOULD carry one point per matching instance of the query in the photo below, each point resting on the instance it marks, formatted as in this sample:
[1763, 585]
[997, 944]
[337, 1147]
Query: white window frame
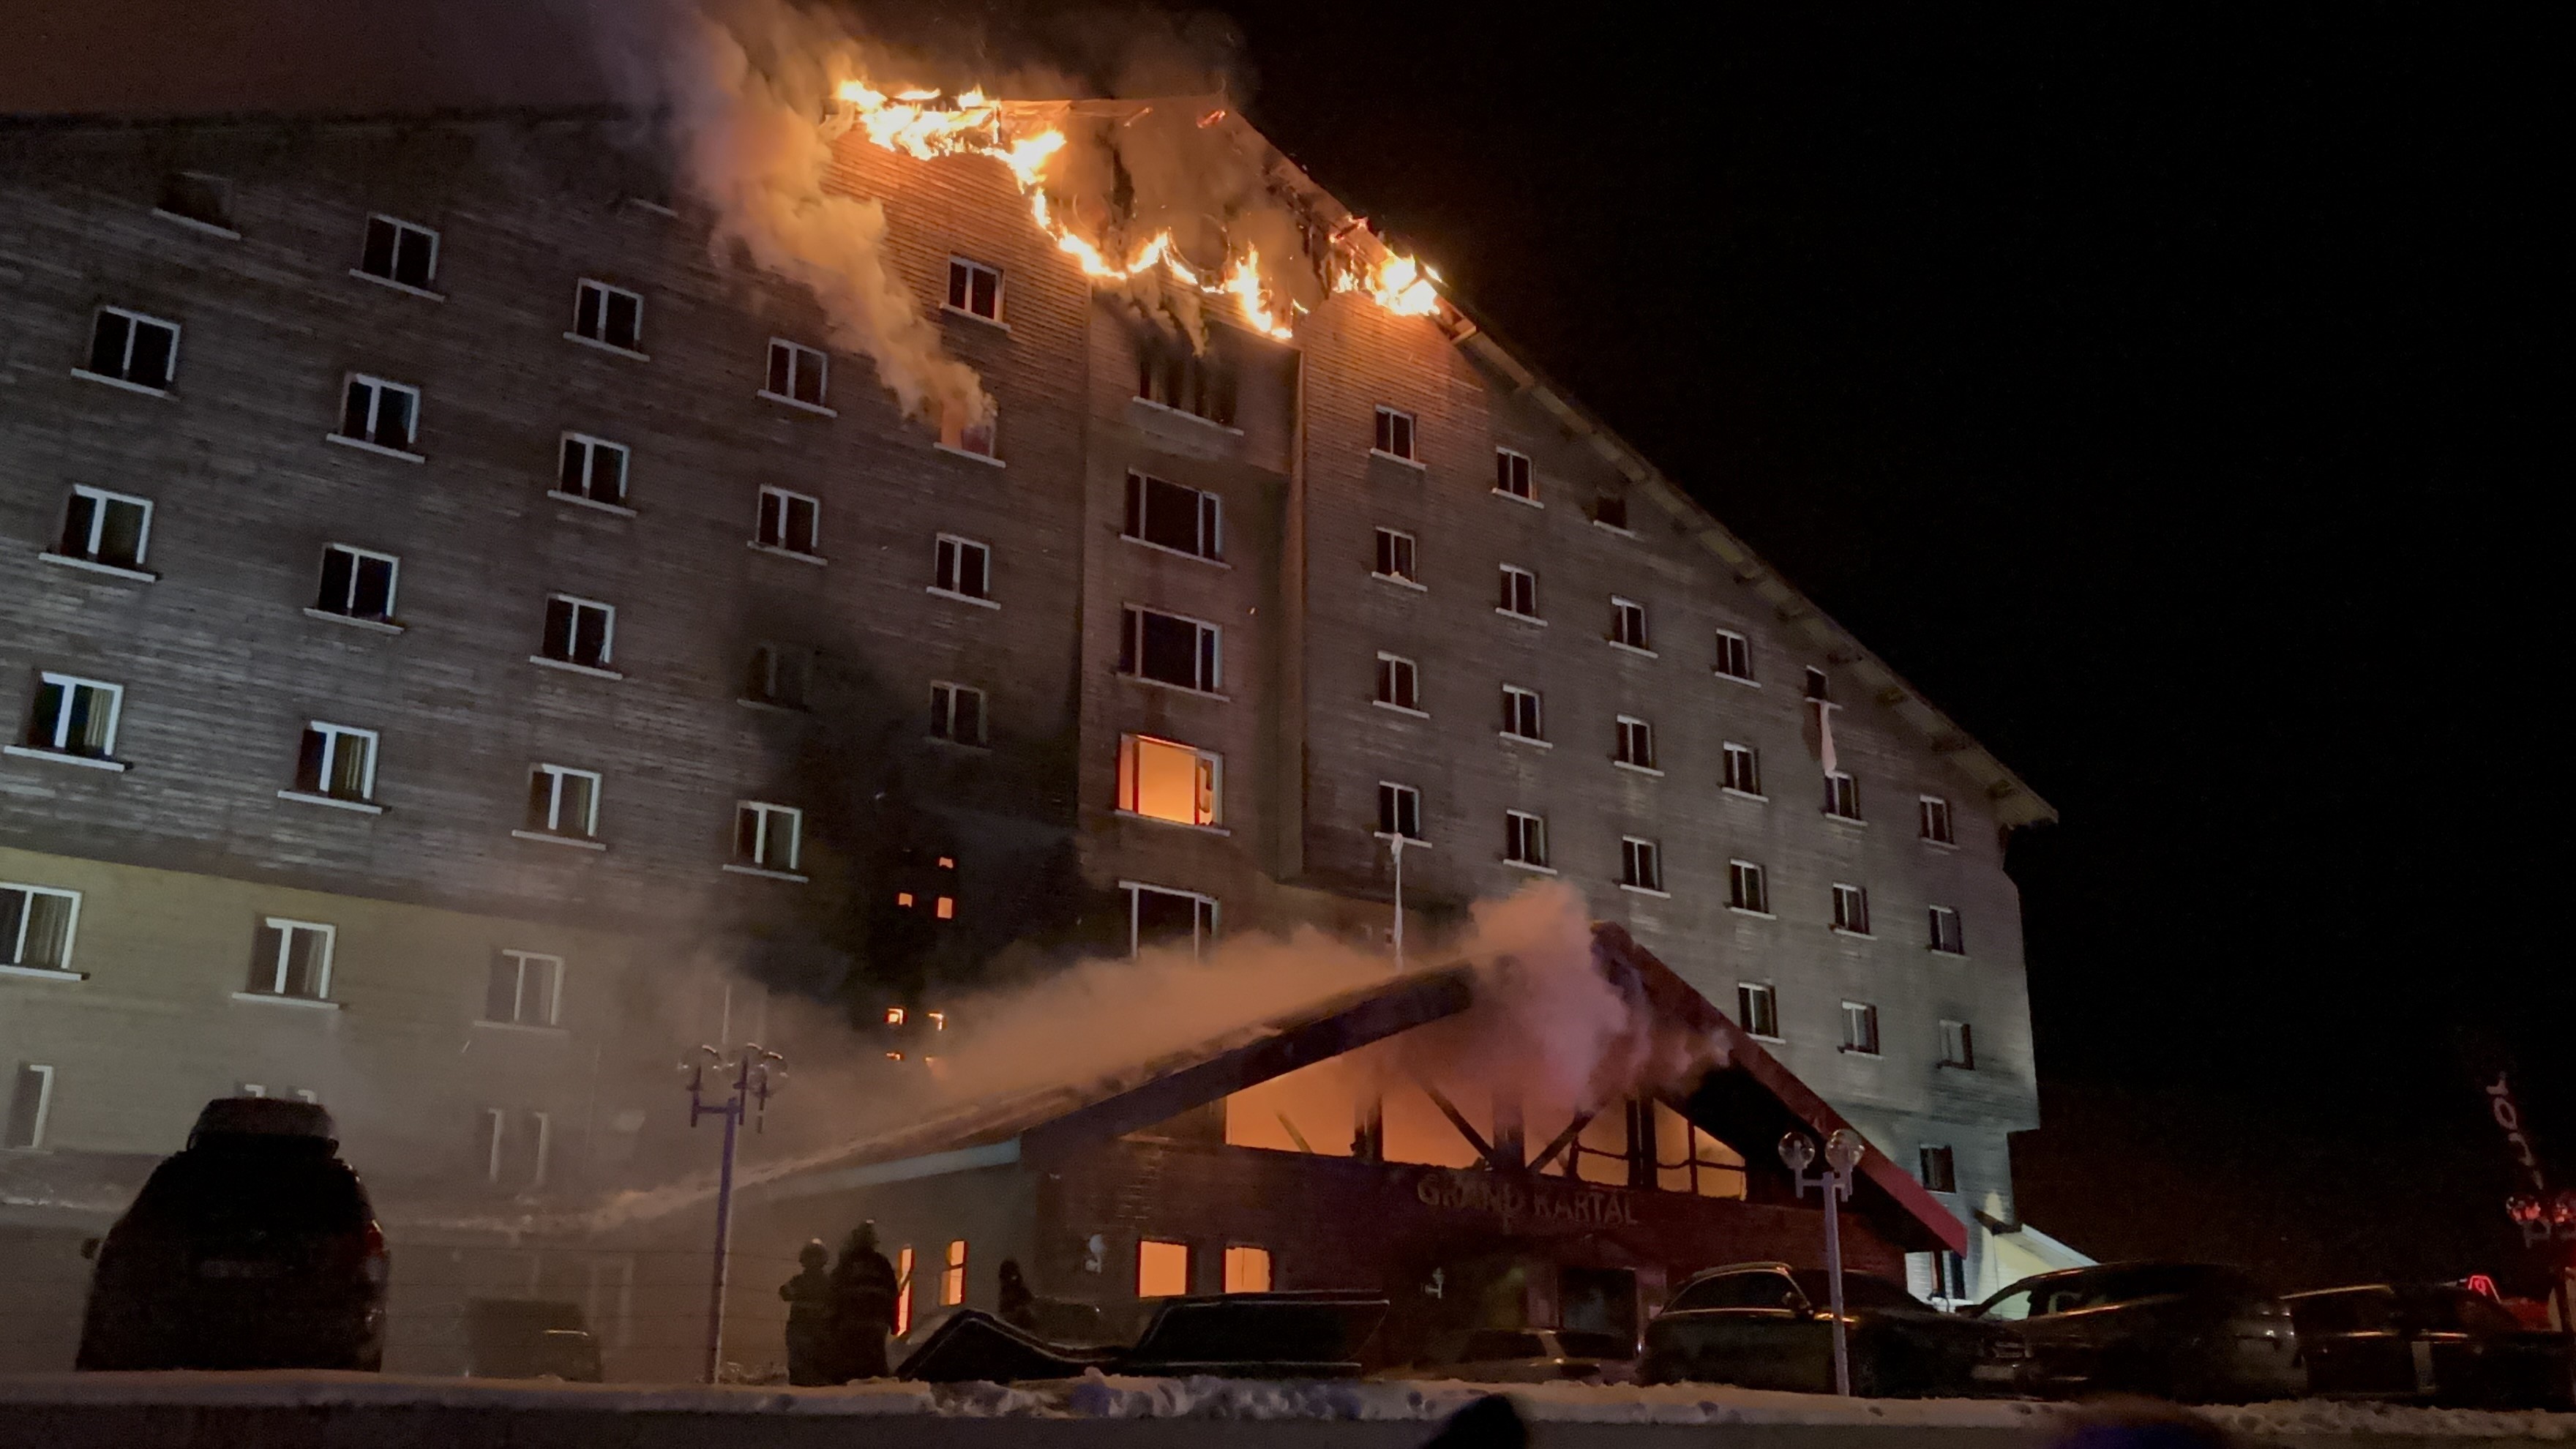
[767, 813]
[1520, 828]
[59, 732]
[1403, 794]
[1731, 777]
[1518, 703]
[1394, 669]
[1769, 995]
[101, 500]
[1958, 1045]
[1855, 1014]
[393, 585]
[1851, 902]
[1632, 732]
[134, 323]
[605, 665]
[548, 965]
[1842, 788]
[1739, 874]
[333, 738]
[13, 952]
[544, 1122]
[1637, 850]
[981, 441]
[1935, 822]
[787, 547]
[1208, 650]
[44, 1105]
[1725, 656]
[1207, 516]
[773, 659]
[1517, 581]
[1134, 891]
[1952, 942]
[1399, 547]
[429, 280]
[943, 710]
[966, 269]
[286, 927]
[553, 827]
[591, 447]
[1130, 780]
[496, 1123]
[607, 291]
[1511, 465]
[1621, 610]
[798, 356]
[377, 387]
[953, 547]
[1385, 422]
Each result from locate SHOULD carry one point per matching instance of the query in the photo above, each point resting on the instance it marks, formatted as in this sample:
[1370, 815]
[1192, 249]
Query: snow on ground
[1099, 1396]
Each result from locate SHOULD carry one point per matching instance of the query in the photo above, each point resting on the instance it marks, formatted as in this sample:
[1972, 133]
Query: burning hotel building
[464, 630]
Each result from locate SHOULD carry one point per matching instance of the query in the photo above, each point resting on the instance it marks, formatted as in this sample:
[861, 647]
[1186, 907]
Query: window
[1628, 624]
[1395, 434]
[1688, 1158]
[952, 1279]
[1958, 1046]
[1842, 796]
[1168, 649]
[1851, 910]
[1512, 475]
[398, 251]
[957, 714]
[1757, 1010]
[1399, 811]
[106, 528]
[1159, 916]
[594, 470]
[1636, 743]
[131, 348]
[1817, 685]
[293, 958]
[36, 926]
[1734, 656]
[516, 1154]
[766, 836]
[903, 1290]
[1747, 888]
[961, 431]
[778, 675]
[525, 988]
[1173, 376]
[797, 374]
[790, 523]
[199, 197]
[337, 762]
[1935, 817]
[962, 567]
[75, 716]
[379, 414]
[1522, 717]
[357, 583]
[1247, 1269]
[579, 631]
[1641, 864]
[1395, 557]
[1519, 593]
[1525, 838]
[975, 289]
[563, 801]
[609, 316]
[31, 1100]
[1397, 687]
[1162, 1268]
[1940, 1170]
[1742, 769]
[1166, 780]
[1946, 937]
[1860, 1028]
[1610, 511]
[1168, 515]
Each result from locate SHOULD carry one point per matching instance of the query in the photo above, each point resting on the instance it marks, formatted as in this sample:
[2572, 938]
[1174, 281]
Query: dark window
[608, 315]
[578, 631]
[1851, 909]
[1512, 474]
[1521, 714]
[797, 373]
[1636, 743]
[1395, 556]
[1958, 1046]
[1734, 656]
[975, 288]
[1168, 649]
[961, 566]
[1757, 1009]
[398, 251]
[1817, 685]
[1158, 917]
[1395, 433]
[1940, 1170]
[1610, 510]
[1743, 769]
[1197, 383]
[790, 522]
[1519, 592]
[1524, 838]
[1182, 519]
[957, 714]
[380, 412]
[1399, 811]
[1946, 935]
[1860, 1028]
[357, 584]
[1628, 623]
[1842, 796]
[198, 197]
[1936, 820]
[1746, 889]
[131, 347]
[593, 469]
[107, 528]
[1396, 684]
[778, 675]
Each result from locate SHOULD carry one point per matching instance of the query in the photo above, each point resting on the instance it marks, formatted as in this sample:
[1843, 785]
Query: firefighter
[863, 1294]
[809, 1317]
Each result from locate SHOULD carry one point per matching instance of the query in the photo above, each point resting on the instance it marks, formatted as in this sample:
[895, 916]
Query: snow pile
[2333, 1416]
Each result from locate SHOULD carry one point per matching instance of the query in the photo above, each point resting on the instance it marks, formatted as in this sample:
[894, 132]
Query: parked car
[253, 1247]
[1307, 1334]
[2185, 1331]
[1534, 1356]
[525, 1338]
[2436, 1343]
[1770, 1326]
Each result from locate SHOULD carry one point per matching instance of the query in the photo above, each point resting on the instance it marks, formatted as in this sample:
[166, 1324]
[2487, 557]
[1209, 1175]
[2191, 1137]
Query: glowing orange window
[1247, 1269]
[1162, 1269]
[894, 1016]
[952, 1283]
[946, 908]
[903, 899]
[1164, 780]
[902, 1291]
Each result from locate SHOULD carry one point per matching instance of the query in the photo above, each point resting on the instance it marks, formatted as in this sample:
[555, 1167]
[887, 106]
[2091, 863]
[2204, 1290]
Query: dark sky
[2164, 392]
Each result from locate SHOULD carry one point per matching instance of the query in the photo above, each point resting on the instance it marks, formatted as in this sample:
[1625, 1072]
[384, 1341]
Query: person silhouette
[863, 1292]
[809, 1317]
[1019, 1306]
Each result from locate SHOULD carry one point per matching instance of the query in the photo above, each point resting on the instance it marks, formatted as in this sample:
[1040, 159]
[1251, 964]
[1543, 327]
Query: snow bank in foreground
[1099, 1396]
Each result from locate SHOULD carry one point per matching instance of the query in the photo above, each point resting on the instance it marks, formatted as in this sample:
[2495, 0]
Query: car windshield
[1753, 1288]
[1491, 1345]
[2102, 1288]
[2363, 1310]
[1860, 1290]
[1596, 1345]
[2457, 1310]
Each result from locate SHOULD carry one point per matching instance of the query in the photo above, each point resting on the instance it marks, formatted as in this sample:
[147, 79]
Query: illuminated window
[1247, 1269]
[1525, 839]
[1160, 916]
[1395, 557]
[1860, 1028]
[1734, 656]
[1163, 780]
[1636, 744]
[1628, 625]
[1172, 376]
[1512, 475]
[1747, 889]
[1168, 649]
[945, 908]
[1398, 683]
[952, 1280]
[903, 1290]
[1394, 434]
[938, 1020]
[1399, 811]
[610, 316]
[1935, 817]
[1641, 865]
[1742, 770]
[974, 438]
[894, 1016]
[1946, 936]
[797, 374]
[1958, 1046]
[1842, 796]
[1170, 516]
[1757, 1010]
[1851, 910]
[903, 899]
[1162, 1269]
[1688, 1159]
[1519, 593]
[975, 289]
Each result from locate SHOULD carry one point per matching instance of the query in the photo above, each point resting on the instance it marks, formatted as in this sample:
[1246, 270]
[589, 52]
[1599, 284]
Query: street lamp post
[754, 1073]
[1843, 1152]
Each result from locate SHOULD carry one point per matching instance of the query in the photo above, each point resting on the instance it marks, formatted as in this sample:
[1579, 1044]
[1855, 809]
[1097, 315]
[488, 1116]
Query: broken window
[1171, 375]
[1166, 780]
[975, 289]
[1395, 434]
[198, 196]
[778, 675]
[1610, 510]
[609, 316]
[1168, 649]
[976, 438]
[1167, 515]
[399, 251]
[106, 528]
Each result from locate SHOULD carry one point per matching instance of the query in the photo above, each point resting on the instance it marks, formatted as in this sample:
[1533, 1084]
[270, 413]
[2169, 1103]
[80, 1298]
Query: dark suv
[2189, 1331]
[255, 1247]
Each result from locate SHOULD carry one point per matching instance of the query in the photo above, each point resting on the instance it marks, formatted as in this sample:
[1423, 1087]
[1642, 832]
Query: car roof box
[263, 1117]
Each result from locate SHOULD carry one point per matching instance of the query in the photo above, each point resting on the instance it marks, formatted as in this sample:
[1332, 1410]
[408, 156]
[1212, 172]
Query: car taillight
[374, 1260]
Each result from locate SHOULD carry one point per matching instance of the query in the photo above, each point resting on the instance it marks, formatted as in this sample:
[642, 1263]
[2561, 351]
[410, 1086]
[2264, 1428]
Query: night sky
[2162, 390]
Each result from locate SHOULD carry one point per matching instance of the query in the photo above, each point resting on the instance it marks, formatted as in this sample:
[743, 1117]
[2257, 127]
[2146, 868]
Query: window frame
[582, 290]
[797, 354]
[1623, 609]
[1523, 705]
[1394, 670]
[286, 927]
[1207, 656]
[771, 657]
[948, 555]
[1207, 518]
[1842, 789]
[41, 1117]
[605, 665]
[944, 694]
[552, 827]
[1395, 425]
[1394, 802]
[1937, 1168]
[1520, 828]
[967, 270]
[60, 730]
[377, 388]
[1187, 1265]
[592, 447]
[1861, 1037]
[1851, 909]
[102, 500]
[1958, 1045]
[520, 961]
[13, 952]
[332, 736]
[1739, 874]
[1733, 780]
[766, 813]
[1768, 994]
[135, 322]
[1512, 466]
[1641, 866]
[393, 585]
[426, 286]
[1392, 543]
[1742, 646]
[1932, 811]
[1954, 941]
[1206, 914]
[1208, 780]
[1634, 737]
[786, 500]
[1517, 581]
